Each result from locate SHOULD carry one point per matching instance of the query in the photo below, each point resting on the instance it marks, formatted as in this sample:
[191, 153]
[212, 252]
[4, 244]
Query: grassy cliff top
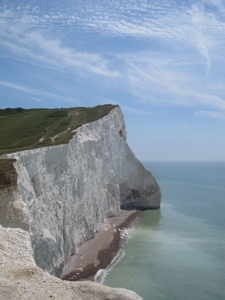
[23, 129]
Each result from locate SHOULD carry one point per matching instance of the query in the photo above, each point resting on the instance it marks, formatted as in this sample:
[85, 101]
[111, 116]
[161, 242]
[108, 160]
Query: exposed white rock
[21, 279]
[65, 192]
[13, 211]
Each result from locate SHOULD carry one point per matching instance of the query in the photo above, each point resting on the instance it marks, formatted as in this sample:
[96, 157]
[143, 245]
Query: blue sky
[162, 61]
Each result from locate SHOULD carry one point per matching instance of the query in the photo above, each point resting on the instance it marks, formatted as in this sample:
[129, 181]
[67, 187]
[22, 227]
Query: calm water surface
[178, 252]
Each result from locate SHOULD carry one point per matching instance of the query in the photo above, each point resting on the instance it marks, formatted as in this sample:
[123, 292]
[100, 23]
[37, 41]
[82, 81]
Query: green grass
[23, 129]
[8, 111]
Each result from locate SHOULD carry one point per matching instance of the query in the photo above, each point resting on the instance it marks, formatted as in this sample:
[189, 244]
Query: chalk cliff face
[65, 192]
[21, 279]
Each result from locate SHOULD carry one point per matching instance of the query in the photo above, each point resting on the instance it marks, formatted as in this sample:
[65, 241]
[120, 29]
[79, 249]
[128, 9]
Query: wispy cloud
[19, 87]
[201, 38]
[219, 4]
[165, 83]
[180, 25]
[38, 47]
[191, 27]
[37, 93]
[210, 114]
[134, 111]
[150, 76]
[140, 19]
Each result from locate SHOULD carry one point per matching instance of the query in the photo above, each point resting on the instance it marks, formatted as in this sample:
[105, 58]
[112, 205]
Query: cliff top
[24, 129]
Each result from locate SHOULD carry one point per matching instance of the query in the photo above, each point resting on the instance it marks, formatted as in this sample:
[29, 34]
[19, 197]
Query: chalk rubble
[21, 279]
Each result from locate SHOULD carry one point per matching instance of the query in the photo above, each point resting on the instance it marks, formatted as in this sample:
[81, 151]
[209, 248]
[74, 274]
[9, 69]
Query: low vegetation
[23, 129]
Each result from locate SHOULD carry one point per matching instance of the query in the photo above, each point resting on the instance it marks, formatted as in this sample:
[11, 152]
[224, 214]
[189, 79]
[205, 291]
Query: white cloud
[160, 20]
[180, 25]
[37, 47]
[154, 77]
[169, 85]
[210, 114]
[219, 4]
[201, 38]
[37, 92]
[67, 57]
[18, 87]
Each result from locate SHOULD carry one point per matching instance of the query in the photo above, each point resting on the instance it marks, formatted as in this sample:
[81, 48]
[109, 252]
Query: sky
[162, 61]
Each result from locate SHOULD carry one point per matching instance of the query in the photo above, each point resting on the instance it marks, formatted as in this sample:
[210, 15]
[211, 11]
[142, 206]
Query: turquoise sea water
[178, 252]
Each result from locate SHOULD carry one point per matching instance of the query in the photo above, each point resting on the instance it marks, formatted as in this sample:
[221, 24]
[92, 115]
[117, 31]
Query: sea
[178, 251]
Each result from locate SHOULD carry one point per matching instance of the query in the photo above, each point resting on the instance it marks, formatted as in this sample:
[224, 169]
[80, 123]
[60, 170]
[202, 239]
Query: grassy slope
[34, 128]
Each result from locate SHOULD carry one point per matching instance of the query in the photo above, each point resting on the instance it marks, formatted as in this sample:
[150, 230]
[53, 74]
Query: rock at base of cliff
[21, 279]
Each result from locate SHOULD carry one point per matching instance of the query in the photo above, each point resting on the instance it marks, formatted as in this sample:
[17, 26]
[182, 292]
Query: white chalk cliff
[64, 193]
[21, 279]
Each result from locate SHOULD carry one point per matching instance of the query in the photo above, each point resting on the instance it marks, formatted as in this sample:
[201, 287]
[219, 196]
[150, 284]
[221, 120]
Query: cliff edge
[62, 194]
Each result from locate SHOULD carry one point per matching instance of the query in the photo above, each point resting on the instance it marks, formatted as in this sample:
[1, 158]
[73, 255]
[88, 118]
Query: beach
[98, 253]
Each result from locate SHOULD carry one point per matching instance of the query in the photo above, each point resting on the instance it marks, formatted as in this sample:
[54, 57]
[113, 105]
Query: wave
[102, 273]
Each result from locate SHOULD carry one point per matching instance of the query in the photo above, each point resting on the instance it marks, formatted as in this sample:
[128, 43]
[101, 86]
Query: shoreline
[99, 252]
